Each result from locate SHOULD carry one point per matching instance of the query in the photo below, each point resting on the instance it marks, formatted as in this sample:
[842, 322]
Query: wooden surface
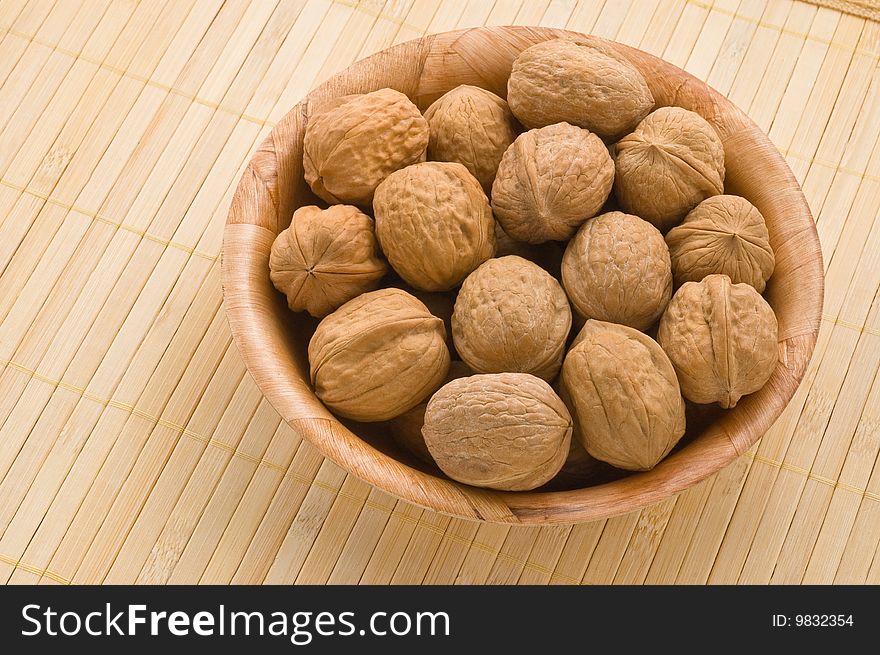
[133, 447]
[273, 343]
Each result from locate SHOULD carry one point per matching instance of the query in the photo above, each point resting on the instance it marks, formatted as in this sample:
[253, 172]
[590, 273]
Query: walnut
[406, 429]
[624, 395]
[378, 356]
[617, 269]
[434, 224]
[671, 163]
[721, 338]
[352, 144]
[585, 84]
[725, 235]
[473, 127]
[325, 258]
[507, 431]
[511, 315]
[550, 181]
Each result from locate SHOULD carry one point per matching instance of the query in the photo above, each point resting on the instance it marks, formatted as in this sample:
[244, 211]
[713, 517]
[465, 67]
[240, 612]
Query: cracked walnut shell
[473, 127]
[378, 356]
[624, 396]
[721, 339]
[725, 235]
[507, 431]
[617, 269]
[550, 181]
[325, 258]
[511, 315]
[671, 163]
[581, 83]
[355, 142]
[434, 224]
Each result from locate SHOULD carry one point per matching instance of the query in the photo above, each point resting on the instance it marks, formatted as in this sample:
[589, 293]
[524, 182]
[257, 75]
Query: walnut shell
[406, 429]
[473, 127]
[507, 431]
[434, 224]
[325, 258]
[624, 395]
[378, 356]
[721, 339]
[725, 235]
[671, 163]
[511, 315]
[351, 145]
[550, 181]
[617, 269]
[581, 83]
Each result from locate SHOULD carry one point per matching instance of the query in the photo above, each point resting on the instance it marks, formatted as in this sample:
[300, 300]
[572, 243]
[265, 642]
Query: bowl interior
[273, 341]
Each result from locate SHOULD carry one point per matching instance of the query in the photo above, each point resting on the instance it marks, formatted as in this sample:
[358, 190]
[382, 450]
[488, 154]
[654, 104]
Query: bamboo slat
[134, 447]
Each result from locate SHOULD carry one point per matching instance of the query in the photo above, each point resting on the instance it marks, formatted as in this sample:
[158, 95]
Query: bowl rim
[249, 232]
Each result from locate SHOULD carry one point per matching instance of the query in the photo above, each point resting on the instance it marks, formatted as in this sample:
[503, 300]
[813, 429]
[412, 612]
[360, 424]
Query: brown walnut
[585, 84]
[725, 235]
[550, 181]
[671, 163]
[617, 269]
[624, 395]
[721, 339]
[434, 224]
[473, 127]
[507, 431]
[378, 356]
[355, 142]
[511, 315]
[326, 258]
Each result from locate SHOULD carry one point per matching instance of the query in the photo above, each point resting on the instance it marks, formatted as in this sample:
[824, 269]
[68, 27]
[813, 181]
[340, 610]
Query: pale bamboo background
[135, 448]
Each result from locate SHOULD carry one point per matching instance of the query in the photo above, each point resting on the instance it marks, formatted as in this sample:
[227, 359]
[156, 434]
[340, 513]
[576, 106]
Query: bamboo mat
[134, 447]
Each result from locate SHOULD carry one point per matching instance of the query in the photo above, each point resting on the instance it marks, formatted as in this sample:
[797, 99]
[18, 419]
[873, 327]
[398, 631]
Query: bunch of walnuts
[575, 243]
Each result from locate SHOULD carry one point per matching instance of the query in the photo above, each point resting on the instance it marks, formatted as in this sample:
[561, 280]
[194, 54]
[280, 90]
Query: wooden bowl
[273, 341]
